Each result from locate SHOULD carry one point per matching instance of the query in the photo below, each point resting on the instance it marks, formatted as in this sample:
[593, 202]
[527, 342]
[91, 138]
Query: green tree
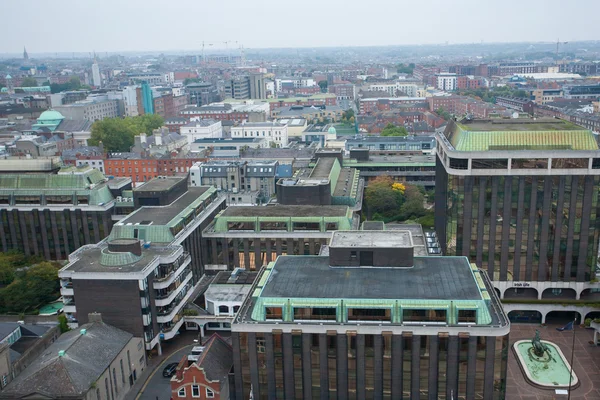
[323, 86]
[444, 114]
[29, 82]
[382, 199]
[63, 323]
[393, 130]
[32, 287]
[413, 207]
[405, 69]
[117, 134]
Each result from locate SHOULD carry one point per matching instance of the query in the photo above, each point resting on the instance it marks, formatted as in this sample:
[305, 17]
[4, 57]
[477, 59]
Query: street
[159, 388]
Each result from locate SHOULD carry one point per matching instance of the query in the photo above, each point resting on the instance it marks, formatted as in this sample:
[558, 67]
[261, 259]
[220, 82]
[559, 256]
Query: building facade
[349, 340]
[520, 199]
[274, 132]
[202, 129]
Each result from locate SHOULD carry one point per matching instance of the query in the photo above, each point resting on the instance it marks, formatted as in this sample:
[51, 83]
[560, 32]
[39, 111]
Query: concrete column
[543, 317]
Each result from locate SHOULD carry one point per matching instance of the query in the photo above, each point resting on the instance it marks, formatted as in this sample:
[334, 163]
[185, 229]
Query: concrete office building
[295, 337]
[274, 132]
[96, 77]
[202, 93]
[142, 275]
[90, 110]
[52, 215]
[249, 237]
[226, 147]
[202, 129]
[519, 197]
[250, 86]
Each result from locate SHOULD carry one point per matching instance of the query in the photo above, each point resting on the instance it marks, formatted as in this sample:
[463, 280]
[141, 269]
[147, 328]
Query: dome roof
[50, 115]
[8, 77]
[331, 130]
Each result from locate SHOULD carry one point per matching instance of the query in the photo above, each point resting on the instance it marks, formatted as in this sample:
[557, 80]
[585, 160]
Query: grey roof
[73, 125]
[216, 359]
[162, 215]
[285, 211]
[6, 328]
[86, 358]
[431, 278]
[201, 122]
[306, 152]
[158, 184]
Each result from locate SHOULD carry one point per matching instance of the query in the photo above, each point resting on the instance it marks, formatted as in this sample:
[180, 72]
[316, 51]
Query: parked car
[170, 369]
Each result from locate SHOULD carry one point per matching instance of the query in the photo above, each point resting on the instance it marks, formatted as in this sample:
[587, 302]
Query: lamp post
[572, 356]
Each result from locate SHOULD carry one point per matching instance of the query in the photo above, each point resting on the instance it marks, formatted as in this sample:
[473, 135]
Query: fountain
[543, 364]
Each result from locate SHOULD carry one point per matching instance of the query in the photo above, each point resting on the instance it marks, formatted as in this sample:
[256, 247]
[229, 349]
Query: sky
[44, 26]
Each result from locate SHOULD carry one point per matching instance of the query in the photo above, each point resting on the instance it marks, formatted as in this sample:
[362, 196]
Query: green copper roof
[50, 115]
[559, 135]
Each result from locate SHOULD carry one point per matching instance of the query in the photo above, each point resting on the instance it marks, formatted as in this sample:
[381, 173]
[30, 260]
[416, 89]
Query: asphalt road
[159, 388]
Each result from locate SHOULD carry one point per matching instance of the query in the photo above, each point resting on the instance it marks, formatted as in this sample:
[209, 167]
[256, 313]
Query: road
[159, 388]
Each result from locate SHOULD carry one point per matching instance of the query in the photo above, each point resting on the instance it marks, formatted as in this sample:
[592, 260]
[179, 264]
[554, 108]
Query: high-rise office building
[520, 198]
[371, 317]
[147, 98]
[96, 77]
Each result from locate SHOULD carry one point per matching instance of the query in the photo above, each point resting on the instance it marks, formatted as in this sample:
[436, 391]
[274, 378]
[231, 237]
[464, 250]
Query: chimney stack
[94, 317]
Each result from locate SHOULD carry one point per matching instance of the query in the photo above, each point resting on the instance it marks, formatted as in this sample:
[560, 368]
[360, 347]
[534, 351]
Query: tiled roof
[217, 359]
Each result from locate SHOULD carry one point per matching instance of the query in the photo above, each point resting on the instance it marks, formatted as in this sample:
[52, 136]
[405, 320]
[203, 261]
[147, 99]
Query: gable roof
[216, 359]
[86, 357]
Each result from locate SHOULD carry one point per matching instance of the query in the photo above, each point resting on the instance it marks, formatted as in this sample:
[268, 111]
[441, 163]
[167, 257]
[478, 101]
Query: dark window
[369, 314]
[306, 226]
[518, 163]
[240, 226]
[273, 226]
[274, 313]
[467, 316]
[366, 258]
[570, 163]
[437, 316]
[596, 163]
[459, 163]
[489, 163]
[317, 313]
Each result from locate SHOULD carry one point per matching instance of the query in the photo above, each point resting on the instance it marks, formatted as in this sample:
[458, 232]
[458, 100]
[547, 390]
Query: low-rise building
[90, 110]
[209, 377]
[97, 361]
[275, 133]
[202, 129]
[295, 126]
[226, 147]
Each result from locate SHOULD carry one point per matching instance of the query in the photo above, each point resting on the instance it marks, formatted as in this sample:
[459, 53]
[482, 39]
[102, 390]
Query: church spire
[25, 55]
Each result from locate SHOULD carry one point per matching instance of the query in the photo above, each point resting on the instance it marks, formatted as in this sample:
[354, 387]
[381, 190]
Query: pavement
[586, 365]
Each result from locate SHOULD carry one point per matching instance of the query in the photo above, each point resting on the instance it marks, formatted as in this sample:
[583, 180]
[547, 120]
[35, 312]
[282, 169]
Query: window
[260, 345]
[273, 313]
[195, 391]
[181, 392]
[115, 380]
[209, 394]
[467, 316]
[122, 372]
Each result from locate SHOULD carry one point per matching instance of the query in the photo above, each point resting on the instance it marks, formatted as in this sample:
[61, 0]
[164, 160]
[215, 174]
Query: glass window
[181, 392]
[467, 316]
[209, 394]
[195, 391]
[489, 163]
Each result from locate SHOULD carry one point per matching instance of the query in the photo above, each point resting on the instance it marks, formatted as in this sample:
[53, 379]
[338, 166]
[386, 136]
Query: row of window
[195, 389]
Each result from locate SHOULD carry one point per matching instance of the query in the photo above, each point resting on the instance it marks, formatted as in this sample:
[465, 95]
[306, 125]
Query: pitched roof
[86, 357]
[216, 359]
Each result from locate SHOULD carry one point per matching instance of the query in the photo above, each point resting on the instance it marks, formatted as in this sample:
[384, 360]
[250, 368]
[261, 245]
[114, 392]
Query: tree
[323, 86]
[413, 207]
[393, 130]
[62, 323]
[382, 198]
[444, 114]
[32, 287]
[405, 69]
[29, 82]
[117, 134]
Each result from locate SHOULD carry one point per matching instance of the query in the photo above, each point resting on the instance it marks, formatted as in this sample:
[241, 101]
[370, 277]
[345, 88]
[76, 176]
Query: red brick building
[143, 169]
[367, 106]
[331, 100]
[208, 377]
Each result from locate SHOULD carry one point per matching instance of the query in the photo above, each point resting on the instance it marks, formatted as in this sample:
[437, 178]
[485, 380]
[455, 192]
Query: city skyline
[261, 27]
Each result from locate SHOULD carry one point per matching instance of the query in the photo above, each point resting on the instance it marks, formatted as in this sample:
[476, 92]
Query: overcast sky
[152, 25]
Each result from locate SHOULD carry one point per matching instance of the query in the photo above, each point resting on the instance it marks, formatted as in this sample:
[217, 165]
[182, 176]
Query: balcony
[173, 329]
[168, 299]
[165, 281]
[167, 316]
[70, 308]
[66, 291]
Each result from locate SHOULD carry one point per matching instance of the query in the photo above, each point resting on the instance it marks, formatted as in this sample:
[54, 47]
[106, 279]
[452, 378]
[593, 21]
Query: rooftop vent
[83, 331]
[61, 353]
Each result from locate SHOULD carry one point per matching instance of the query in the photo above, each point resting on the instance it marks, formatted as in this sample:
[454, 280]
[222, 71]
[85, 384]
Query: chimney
[142, 138]
[93, 317]
[158, 139]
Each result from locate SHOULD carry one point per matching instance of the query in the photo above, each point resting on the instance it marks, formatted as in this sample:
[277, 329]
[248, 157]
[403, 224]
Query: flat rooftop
[431, 278]
[159, 184]
[322, 168]
[519, 134]
[373, 239]
[286, 211]
[162, 215]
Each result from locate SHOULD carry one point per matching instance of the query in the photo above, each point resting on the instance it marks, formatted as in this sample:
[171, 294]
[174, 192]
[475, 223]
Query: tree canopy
[393, 130]
[29, 282]
[117, 134]
[405, 69]
[388, 201]
[444, 114]
[489, 95]
[29, 82]
[73, 84]
[323, 86]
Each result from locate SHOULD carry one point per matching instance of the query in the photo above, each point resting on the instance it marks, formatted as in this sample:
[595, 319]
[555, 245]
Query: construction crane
[204, 58]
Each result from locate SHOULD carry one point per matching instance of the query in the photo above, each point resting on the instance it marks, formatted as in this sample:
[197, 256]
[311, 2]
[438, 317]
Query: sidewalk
[185, 338]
